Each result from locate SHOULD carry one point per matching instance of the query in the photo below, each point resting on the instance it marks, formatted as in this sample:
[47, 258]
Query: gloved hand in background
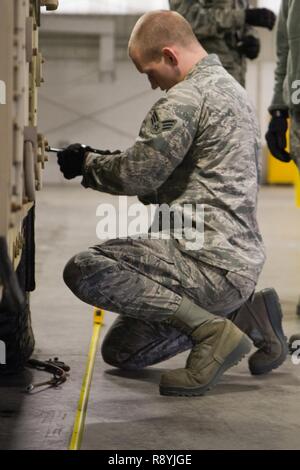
[71, 159]
[276, 135]
[262, 17]
[249, 46]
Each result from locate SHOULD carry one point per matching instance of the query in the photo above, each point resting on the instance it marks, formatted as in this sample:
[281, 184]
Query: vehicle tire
[15, 326]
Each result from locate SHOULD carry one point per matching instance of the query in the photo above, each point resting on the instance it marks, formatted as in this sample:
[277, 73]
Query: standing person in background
[224, 27]
[286, 98]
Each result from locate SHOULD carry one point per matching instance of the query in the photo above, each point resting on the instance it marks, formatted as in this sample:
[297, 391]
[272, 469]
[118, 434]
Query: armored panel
[22, 151]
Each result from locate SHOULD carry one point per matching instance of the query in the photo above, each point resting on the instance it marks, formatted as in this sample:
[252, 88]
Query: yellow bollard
[78, 428]
[284, 173]
[279, 172]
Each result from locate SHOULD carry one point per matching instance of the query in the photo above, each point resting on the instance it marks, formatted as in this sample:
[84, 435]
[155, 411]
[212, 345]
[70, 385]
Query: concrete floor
[126, 410]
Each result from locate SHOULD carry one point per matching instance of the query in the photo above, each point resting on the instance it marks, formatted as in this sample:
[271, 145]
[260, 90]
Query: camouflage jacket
[198, 145]
[288, 57]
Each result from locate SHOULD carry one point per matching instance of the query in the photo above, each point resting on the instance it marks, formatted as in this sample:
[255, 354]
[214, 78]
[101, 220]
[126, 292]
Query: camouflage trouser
[235, 64]
[144, 281]
[295, 139]
[231, 59]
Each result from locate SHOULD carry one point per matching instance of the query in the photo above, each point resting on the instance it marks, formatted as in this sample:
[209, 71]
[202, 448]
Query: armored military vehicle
[22, 158]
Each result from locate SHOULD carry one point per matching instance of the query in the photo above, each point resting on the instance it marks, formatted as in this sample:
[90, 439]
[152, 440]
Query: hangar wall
[81, 102]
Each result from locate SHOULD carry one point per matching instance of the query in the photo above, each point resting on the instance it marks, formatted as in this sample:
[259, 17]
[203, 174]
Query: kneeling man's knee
[116, 358]
[110, 355]
[72, 274]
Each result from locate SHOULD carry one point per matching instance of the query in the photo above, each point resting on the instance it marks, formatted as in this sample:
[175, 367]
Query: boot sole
[271, 300]
[232, 359]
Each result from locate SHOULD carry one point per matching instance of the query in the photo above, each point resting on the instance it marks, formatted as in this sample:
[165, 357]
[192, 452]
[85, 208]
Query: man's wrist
[240, 18]
[85, 156]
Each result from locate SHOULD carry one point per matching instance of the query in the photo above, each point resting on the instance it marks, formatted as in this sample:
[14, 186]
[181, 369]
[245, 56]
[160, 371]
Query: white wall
[118, 7]
[76, 107]
[272, 4]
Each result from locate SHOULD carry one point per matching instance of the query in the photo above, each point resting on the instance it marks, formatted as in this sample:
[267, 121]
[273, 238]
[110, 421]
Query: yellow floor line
[297, 184]
[78, 429]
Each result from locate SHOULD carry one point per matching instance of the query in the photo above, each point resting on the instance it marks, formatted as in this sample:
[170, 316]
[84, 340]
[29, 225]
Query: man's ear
[170, 56]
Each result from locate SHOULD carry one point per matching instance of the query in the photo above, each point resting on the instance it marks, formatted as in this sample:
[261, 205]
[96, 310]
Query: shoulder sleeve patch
[158, 126]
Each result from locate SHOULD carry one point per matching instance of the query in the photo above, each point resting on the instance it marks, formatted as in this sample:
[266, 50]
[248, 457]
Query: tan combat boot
[261, 319]
[218, 345]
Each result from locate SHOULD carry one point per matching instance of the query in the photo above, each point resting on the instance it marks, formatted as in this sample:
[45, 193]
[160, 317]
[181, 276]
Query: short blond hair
[158, 29]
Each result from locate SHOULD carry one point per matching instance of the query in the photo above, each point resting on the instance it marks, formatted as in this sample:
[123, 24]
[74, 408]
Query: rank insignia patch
[158, 126]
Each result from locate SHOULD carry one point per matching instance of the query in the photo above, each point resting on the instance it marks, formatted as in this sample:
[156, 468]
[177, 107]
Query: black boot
[261, 319]
[17, 335]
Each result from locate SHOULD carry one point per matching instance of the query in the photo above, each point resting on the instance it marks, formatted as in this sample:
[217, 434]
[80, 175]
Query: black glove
[260, 17]
[249, 46]
[70, 160]
[276, 135]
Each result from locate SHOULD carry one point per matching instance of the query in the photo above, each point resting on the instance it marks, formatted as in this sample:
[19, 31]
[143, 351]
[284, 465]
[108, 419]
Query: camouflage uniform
[288, 70]
[199, 144]
[219, 25]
